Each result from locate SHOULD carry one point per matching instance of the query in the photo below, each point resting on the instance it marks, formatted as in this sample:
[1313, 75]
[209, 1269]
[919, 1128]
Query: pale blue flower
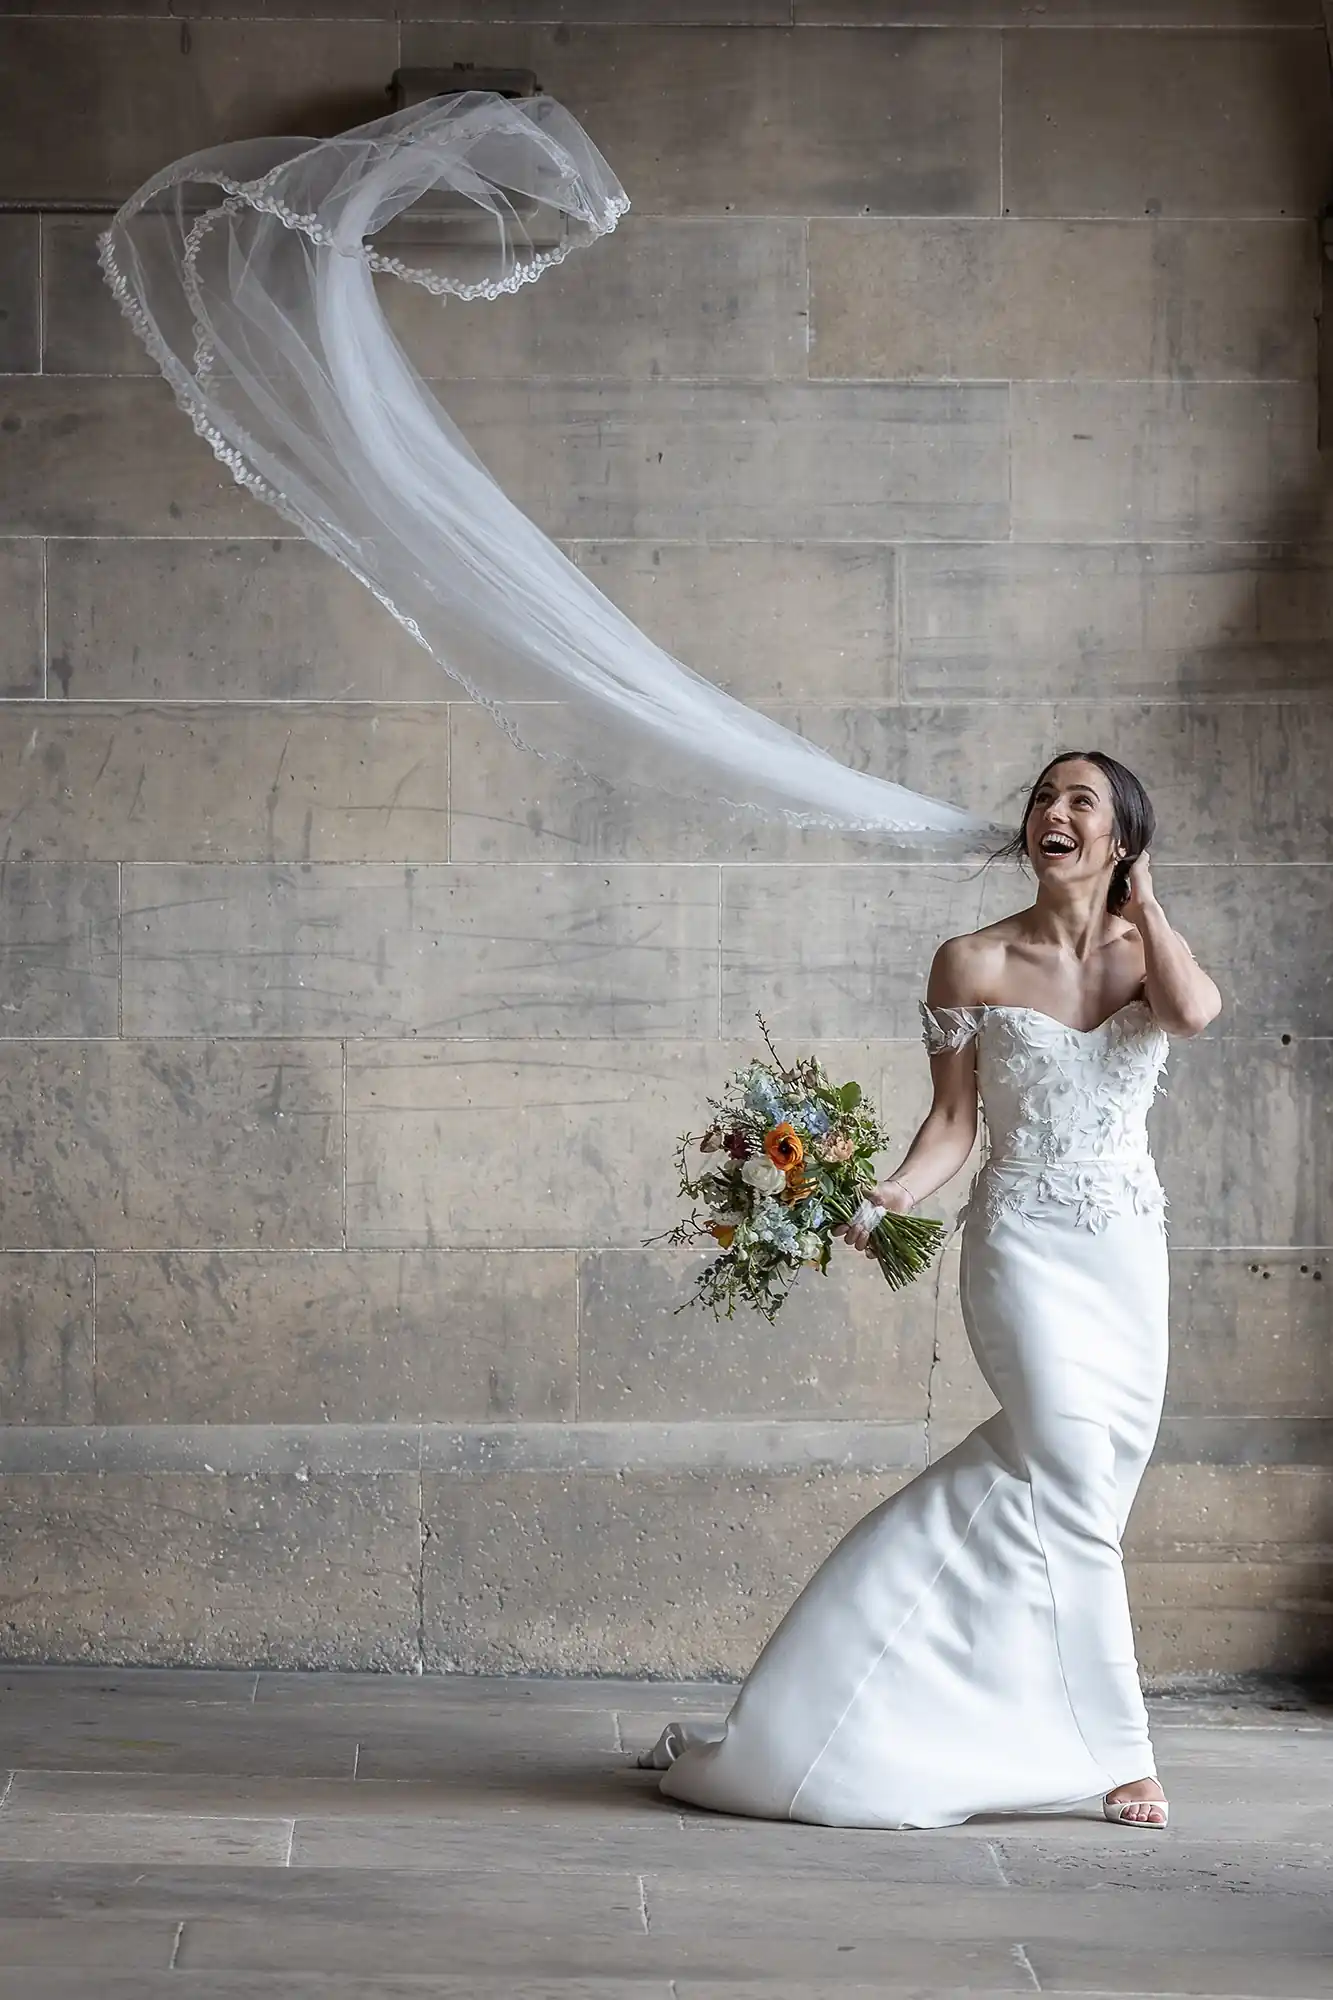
[813, 1118]
[762, 1097]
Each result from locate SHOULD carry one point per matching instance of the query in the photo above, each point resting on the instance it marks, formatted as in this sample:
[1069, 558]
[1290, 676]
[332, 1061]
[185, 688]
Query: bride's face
[1071, 834]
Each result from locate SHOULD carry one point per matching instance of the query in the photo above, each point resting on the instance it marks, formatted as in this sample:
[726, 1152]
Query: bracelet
[895, 1182]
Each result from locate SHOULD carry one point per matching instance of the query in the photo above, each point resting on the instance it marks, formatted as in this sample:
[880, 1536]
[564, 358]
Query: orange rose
[784, 1148]
[725, 1234]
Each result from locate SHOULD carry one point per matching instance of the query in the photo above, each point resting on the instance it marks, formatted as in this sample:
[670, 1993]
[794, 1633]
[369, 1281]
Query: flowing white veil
[249, 270]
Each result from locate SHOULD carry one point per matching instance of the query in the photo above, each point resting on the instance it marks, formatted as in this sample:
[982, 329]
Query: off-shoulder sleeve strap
[948, 1029]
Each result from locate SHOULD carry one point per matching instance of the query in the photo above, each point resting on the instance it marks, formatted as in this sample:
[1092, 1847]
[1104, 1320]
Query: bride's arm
[946, 1138]
[1182, 996]
[948, 1133]
[949, 1130]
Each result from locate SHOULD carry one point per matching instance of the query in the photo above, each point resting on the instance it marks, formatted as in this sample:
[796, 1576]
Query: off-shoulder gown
[967, 1647]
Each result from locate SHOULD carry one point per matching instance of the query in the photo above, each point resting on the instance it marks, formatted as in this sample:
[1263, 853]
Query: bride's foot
[1141, 1804]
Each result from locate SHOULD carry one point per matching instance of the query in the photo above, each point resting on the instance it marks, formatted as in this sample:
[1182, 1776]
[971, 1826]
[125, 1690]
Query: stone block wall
[951, 390]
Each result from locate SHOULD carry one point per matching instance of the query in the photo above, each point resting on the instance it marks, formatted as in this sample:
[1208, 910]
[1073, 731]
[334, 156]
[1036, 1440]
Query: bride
[967, 1647]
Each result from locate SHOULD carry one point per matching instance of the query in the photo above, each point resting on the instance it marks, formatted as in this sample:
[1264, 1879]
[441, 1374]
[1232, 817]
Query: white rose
[763, 1176]
[811, 1244]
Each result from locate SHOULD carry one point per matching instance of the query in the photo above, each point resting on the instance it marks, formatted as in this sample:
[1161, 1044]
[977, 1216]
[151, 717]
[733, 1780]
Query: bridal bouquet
[790, 1156]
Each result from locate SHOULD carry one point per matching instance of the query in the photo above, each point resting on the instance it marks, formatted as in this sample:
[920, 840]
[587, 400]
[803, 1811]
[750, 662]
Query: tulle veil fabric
[248, 271]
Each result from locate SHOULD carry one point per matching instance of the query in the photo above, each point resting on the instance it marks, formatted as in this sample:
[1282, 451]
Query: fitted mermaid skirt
[967, 1647]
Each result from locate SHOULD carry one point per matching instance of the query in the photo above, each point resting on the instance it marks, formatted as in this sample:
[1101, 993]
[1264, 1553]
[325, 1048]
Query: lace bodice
[1065, 1108]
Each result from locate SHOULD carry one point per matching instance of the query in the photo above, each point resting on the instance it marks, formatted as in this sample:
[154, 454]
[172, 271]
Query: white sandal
[1118, 1814]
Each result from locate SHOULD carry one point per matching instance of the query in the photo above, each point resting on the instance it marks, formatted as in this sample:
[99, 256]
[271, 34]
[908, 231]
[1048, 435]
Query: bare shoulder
[965, 968]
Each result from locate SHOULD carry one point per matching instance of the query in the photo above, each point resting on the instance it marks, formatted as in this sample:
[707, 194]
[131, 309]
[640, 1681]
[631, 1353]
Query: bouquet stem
[903, 1244]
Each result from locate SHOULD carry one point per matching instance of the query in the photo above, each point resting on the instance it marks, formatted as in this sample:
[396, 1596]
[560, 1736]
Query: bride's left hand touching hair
[1142, 896]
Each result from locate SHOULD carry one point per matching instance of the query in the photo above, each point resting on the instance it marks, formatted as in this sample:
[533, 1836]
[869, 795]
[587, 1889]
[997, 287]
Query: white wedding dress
[967, 1647]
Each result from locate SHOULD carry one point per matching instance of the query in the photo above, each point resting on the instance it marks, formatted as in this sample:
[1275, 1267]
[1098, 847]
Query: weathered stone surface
[632, 13]
[1232, 782]
[269, 620]
[793, 622]
[733, 461]
[245, 1339]
[679, 146]
[643, 1841]
[1245, 1440]
[213, 1843]
[1228, 1568]
[1165, 624]
[290, 1572]
[223, 783]
[694, 1445]
[19, 309]
[1038, 13]
[1243, 1137]
[1250, 1333]
[58, 933]
[86, 457]
[841, 1346]
[109, 1944]
[1219, 1639]
[46, 1358]
[855, 1910]
[540, 1948]
[206, 1685]
[823, 951]
[572, 1575]
[975, 299]
[21, 662]
[511, 1750]
[388, 951]
[236, 10]
[1206, 1513]
[1196, 1866]
[148, 93]
[48, 1733]
[510, 806]
[862, 948]
[578, 1133]
[267, 1450]
[661, 298]
[63, 1984]
[1165, 124]
[1134, 462]
[84, 332]
[143, 1145]
[1119, 1967]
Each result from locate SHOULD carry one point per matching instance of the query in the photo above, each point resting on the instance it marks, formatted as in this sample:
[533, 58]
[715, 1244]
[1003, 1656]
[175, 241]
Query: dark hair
[1135, 820]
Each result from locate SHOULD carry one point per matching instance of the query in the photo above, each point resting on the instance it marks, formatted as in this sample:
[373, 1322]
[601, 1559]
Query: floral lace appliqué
[1096, 1194]
[945, 1030]
[1065, 1110]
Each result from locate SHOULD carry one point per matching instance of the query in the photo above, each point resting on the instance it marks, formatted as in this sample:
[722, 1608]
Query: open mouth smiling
[1056, 845]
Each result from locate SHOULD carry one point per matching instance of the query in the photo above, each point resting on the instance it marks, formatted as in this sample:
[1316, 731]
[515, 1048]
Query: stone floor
[227, 1836]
